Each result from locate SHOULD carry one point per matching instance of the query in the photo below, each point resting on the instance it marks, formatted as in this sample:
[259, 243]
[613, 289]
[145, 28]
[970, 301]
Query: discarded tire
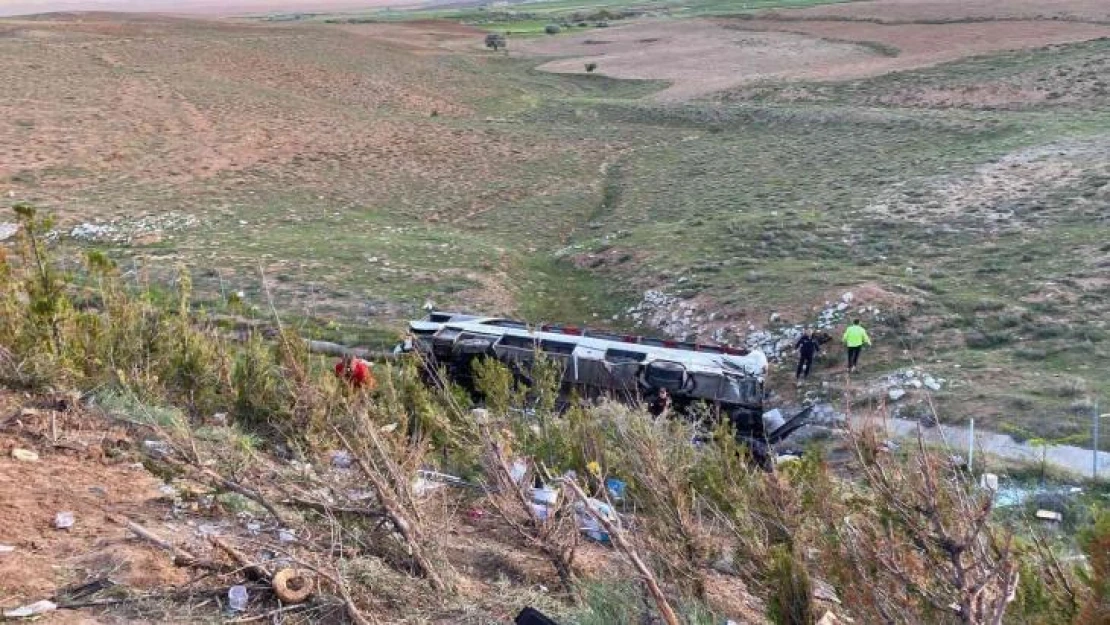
[293, 586]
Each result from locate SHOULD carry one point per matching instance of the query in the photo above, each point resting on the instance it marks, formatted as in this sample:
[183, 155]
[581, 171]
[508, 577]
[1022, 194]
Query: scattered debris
[616, 488]
[157, 449]
[823, 590]
[293, 586]
[422, 486]
[589, 524]
[518, 470]
[547, 495]
[237, 598]
[1050, 515]
[25, 455]
[64, 520]
[896, 393]
[773, 420]
[341, 459]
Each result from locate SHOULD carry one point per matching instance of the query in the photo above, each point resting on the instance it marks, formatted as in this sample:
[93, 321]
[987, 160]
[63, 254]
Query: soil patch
[75, 473]
[922, 45]
[956, 10]
[696, 56]
[701, 56]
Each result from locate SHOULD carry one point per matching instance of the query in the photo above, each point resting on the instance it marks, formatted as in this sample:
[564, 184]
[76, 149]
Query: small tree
[590, 67]
[552, 29]
[496, 41]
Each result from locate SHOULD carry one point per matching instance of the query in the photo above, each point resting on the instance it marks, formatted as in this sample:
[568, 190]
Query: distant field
[206, 7]
[362, 167]
[700, 56]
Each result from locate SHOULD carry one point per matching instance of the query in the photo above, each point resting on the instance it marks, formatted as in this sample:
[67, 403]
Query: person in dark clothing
[807, 347]
[659, 403]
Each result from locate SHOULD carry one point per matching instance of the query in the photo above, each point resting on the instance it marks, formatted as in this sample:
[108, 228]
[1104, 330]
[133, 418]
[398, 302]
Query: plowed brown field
[703, 56]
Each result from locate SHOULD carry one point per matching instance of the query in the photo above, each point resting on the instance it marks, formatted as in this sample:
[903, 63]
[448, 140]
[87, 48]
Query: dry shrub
[657, 459]
[919, 544]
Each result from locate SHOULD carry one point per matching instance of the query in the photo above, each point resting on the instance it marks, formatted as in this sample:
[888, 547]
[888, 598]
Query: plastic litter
[6, 549]
[341, 459]
[589, 525]
[1049, 515]
[422, 486]
[64, 520]
[542, 511]
[616, 488]
[287, 536]
[237, 598]
[518, 470]
[24, 455]
[545, 495]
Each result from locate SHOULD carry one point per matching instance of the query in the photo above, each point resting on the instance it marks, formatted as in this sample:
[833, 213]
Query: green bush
[552, 29]
[791, 601]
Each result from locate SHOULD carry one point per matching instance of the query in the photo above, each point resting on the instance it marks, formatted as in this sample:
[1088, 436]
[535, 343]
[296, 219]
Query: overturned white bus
[722, 381]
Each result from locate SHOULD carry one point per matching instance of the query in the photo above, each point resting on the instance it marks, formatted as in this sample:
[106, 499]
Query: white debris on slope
[126, 231]
[679, 318]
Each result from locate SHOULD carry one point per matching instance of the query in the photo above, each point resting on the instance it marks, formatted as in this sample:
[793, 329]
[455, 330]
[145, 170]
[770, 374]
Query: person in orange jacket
[356, 372]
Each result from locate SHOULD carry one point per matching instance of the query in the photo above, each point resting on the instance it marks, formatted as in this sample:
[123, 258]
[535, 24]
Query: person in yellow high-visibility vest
[855, 337]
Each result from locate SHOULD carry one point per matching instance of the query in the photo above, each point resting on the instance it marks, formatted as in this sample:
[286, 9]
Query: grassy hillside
[362, 171]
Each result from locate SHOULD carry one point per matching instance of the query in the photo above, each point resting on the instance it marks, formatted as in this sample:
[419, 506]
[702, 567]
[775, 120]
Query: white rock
[896, 393]
[33, 609]
[841, 307]
[8, 230]
[915, 383]
[931, 383]
[847, 297]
